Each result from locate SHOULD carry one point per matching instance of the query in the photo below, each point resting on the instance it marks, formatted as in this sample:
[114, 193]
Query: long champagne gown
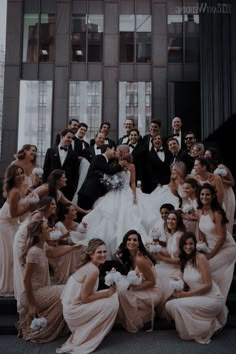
[8, 228]
[196, 317]
[137, 307]
[47, 300]
[90, 322]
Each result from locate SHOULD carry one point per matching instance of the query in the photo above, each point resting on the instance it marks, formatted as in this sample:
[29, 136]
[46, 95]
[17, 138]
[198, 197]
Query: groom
[92, 188]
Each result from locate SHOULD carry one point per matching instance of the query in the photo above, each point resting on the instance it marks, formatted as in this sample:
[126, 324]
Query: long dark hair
[9, 179]
[34, 230]
[215, 205]
[185, 258]
[124, 253]
[180, 224]
[52, 180]
[63, 210]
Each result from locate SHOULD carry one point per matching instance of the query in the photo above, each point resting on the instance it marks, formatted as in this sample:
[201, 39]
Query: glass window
[87, 38]
[2, 63]
[135, 38]
[175, 38]
[38, 38]
[35, 115]
[85, 104]
[192, 40]
[135, 101]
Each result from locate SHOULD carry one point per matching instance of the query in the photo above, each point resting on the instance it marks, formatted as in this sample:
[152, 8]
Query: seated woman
[212, 230]
[90, 314]
[169, 257]
[40, 299]
[196, 310]
[117, 211]
[137, 304]
[66, 265]
[161, 224]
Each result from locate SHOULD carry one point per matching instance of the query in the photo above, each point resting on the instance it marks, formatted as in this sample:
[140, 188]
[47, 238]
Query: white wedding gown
[113, 215]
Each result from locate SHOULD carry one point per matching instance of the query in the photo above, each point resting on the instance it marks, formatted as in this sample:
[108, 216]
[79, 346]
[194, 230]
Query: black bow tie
[64, 148]
[177, 134]
[98, 148]
[161, 149]
[131, 145]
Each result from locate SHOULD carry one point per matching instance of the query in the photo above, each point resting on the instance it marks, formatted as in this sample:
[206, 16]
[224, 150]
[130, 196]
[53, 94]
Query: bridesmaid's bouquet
[38, 323]
[112, 277]
[220, 171]
[154, 248]
[187, 209]
[55, 234]
[37, 171]
[176, 284]
[32, 198]
[155, 234]
[113, 182]
[134, 278]
[202, 247]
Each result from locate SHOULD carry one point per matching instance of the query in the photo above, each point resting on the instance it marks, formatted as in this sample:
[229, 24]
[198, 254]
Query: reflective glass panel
[46, 38]
[192, 40]
[143, 47]
[175, 38]
[127, 47]
[127, 23]
[30, 38]
[78, 38]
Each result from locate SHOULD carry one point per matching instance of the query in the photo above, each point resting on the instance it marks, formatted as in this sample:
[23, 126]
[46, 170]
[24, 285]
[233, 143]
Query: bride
[116, 212]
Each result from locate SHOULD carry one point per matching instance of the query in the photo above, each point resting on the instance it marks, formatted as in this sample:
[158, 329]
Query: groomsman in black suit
[179, 154]
[128, 125]
[137, 151]
[92, 188]
[80, 145]
[96, 149]
[105, 129]
[73, 125]
[154, 128]
[63, 158]
[157, 166]
[177, 130]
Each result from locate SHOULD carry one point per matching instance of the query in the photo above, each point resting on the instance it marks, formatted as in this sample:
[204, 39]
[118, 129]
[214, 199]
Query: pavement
[121, 342]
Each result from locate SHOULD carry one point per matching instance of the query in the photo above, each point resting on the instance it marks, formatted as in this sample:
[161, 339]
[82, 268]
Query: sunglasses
[189, 138]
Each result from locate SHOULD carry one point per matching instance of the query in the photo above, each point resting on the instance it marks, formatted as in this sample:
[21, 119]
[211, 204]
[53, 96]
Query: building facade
[114, 59]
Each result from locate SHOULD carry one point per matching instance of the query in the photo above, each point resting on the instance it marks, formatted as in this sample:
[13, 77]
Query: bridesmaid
[189, 204]
[212, 230]
[90, 314]
[40, 299]
[14, 207]
[26, 159]
[56, 180]
[169, 257]
[196, 310]
[69, 263]
[46, 208]
[137, 304]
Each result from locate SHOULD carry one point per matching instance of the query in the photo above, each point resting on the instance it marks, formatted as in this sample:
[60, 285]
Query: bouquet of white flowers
[134, 278]
[176, 284]
[220, 171]
[112, 277]
[156, 234]
[37, 171]
[32, 198]
[154, 248]
[187, 208]
[38, 323]
[55, 234]
[113, 182]
[202, 247]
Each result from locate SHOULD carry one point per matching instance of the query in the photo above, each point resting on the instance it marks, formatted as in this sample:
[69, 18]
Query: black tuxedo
[146, 141]
[125, 138]
[110, 142]
[92, 188]
[70, 166]
[89, 153]
[184, 157]
[156, 170]
[80, 146]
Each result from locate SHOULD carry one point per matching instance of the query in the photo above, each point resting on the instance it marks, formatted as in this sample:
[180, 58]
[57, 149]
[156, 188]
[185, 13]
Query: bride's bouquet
[112, 277]
[38, 323]
[113, 182]
[134, 278]
[202, 247]
[176, 284]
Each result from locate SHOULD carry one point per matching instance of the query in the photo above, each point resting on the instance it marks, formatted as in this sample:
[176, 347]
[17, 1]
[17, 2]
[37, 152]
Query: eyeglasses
[189, 138]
